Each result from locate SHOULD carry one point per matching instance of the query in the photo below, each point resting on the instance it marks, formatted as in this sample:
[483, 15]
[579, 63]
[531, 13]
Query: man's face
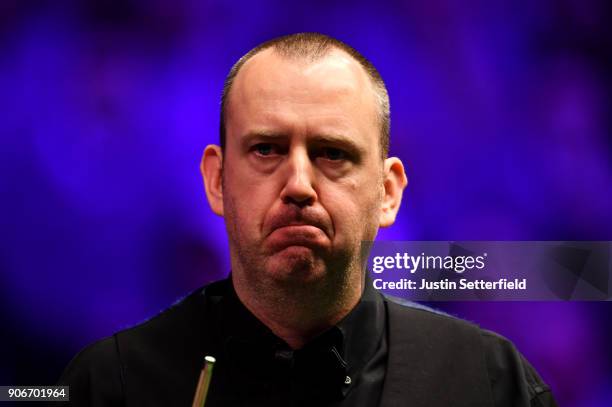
[302, 168]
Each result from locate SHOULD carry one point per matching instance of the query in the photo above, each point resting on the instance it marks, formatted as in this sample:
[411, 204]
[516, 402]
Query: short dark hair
[313, 46]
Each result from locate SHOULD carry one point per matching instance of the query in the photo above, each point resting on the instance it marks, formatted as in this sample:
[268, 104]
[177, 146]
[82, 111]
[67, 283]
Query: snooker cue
[205, 375]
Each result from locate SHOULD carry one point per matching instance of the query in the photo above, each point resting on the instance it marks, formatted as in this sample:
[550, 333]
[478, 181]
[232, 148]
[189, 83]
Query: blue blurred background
[501, 112]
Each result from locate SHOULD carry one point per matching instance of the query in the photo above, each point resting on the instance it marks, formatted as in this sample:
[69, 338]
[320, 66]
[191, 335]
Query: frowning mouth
[297, 235]
[290, 220]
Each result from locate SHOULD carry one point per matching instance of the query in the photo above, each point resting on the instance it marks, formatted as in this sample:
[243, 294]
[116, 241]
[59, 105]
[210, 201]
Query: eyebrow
[261, 136]
[320, 139]
[334, 139]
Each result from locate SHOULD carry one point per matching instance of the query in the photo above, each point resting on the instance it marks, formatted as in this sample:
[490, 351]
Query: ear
[211, 168]
[394, 183]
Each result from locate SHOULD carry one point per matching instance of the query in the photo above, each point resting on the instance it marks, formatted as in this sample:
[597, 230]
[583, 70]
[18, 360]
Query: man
[302, 178]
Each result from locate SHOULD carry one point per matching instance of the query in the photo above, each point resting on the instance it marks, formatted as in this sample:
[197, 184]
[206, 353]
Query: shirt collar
[342, 351]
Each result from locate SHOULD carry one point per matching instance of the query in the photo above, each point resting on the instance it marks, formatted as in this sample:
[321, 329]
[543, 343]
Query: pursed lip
[297, 225]
[297, 234]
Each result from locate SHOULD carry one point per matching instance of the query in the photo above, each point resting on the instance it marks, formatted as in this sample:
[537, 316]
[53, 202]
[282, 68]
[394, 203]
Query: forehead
[332, 92]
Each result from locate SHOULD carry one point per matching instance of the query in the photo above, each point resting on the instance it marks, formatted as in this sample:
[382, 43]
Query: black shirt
[400, 355]
[344, 366]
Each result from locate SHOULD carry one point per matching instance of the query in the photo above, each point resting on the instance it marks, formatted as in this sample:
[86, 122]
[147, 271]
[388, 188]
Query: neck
[298, 312]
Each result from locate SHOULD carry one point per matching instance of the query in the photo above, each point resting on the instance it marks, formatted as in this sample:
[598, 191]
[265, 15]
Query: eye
[333, 154]
[264, 149]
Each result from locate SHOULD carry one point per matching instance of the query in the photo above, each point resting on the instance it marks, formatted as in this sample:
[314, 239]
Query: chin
[296, 264]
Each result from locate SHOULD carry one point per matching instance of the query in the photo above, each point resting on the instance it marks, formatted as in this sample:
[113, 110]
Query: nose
[298, 188]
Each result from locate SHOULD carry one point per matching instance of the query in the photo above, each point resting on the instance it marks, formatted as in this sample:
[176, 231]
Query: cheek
[247, 201]
[353, 207]
[364, 194]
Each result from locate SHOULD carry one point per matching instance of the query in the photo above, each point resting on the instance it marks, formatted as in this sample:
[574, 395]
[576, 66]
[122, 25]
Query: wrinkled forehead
[334, 80]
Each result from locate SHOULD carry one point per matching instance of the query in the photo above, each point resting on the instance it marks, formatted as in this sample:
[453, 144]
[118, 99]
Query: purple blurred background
[501, 112]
